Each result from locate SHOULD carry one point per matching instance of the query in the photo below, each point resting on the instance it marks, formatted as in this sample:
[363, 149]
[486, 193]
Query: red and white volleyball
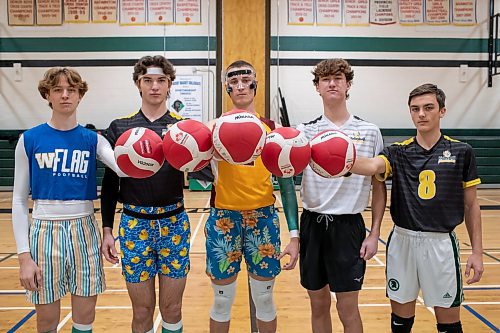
[139, 153]
[239, 137]
[332, 154]
[187, 145]
[287, 152]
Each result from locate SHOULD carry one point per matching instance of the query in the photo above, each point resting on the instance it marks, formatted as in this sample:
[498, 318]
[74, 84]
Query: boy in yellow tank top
[243, 221]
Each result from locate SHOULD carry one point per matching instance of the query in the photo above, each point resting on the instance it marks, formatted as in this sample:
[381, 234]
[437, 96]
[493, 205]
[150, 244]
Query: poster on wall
[186, 96]
[464, 12]
[383, 12]
[411, 12]
[49, 12]
[301, 12]
[132, 12]
[104, 11]
[188, 11]
[437, 11]
[329, 12]
[161, 11]
[76, 11]
[356, 12]
[21, 12]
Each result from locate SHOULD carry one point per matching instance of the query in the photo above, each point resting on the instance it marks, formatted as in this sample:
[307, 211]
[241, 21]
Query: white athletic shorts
[429, 261]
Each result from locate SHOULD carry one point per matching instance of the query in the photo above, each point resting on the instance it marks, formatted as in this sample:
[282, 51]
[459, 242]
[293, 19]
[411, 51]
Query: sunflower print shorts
[154, 246]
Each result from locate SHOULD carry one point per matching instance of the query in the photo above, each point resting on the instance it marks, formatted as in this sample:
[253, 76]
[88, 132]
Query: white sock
[172, 327]
[82, 327]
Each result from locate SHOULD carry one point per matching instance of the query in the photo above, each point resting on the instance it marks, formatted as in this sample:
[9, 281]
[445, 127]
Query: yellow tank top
[242, 187]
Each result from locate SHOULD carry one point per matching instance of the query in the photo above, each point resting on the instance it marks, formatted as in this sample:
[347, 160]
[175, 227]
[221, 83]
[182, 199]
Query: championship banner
[411, 12]
[21, 12]
[437, 11]
[188, 12]
[49, 12]
[76, 11]
[383, 12]
[329, 12]
[104, 11]
[356, 12]
[464, 12]
[160, 12]
[132, 12]
[300, 12]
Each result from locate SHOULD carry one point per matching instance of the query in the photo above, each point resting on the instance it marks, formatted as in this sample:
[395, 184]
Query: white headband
[152, 71]
[155, 70]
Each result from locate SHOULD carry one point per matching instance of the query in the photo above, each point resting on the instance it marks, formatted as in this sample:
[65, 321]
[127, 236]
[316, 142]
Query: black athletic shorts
[329, 251]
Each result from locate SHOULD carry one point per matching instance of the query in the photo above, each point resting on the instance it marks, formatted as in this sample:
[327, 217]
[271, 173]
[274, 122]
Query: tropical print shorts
[232, 234]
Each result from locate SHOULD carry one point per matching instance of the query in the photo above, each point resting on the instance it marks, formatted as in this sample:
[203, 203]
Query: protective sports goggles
[242, 78]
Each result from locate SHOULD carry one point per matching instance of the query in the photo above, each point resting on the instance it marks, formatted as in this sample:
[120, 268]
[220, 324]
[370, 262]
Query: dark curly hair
[142, 65]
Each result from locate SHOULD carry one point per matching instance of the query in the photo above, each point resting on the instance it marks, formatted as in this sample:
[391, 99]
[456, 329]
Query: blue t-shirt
[62, 163]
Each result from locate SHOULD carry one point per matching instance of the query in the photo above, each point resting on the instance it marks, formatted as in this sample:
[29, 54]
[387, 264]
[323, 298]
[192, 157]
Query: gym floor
[480, 312]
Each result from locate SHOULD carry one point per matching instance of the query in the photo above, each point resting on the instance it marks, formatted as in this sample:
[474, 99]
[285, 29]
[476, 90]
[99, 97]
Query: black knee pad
[400, 324]
[450, 328]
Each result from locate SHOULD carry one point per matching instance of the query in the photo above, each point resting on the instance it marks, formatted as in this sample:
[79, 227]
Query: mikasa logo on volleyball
[243, 116]
[326, 135]
[64, 165]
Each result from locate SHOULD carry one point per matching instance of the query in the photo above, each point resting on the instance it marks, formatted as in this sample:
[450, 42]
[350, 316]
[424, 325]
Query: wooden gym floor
[480, 312]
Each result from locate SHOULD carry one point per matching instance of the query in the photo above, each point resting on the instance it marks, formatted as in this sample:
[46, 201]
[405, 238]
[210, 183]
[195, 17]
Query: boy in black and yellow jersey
[434, 180]
[154, 228]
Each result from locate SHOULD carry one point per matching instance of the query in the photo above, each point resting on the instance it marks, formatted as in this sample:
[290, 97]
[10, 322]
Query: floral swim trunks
[231, 234]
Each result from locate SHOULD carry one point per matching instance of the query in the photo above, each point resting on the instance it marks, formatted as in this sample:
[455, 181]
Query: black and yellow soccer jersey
[162, 189]
[427, 191]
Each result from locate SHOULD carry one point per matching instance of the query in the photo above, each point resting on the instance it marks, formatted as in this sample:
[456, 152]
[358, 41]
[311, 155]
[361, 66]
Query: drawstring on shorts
[327, 218]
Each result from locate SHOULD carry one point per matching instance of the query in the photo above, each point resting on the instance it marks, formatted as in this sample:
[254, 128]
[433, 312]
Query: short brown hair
[330, 67]
[51, 79]
[428, 88]
[241, 63]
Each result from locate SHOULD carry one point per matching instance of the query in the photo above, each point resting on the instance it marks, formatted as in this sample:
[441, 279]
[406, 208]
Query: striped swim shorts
[68, 255]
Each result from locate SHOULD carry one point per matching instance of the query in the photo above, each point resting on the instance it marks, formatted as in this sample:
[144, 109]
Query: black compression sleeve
[109, 197]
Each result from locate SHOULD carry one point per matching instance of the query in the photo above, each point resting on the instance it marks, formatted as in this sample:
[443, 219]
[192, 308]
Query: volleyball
[138, 152]
[286, 153]
[187, 145]
[238, 137]
[332, 154]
